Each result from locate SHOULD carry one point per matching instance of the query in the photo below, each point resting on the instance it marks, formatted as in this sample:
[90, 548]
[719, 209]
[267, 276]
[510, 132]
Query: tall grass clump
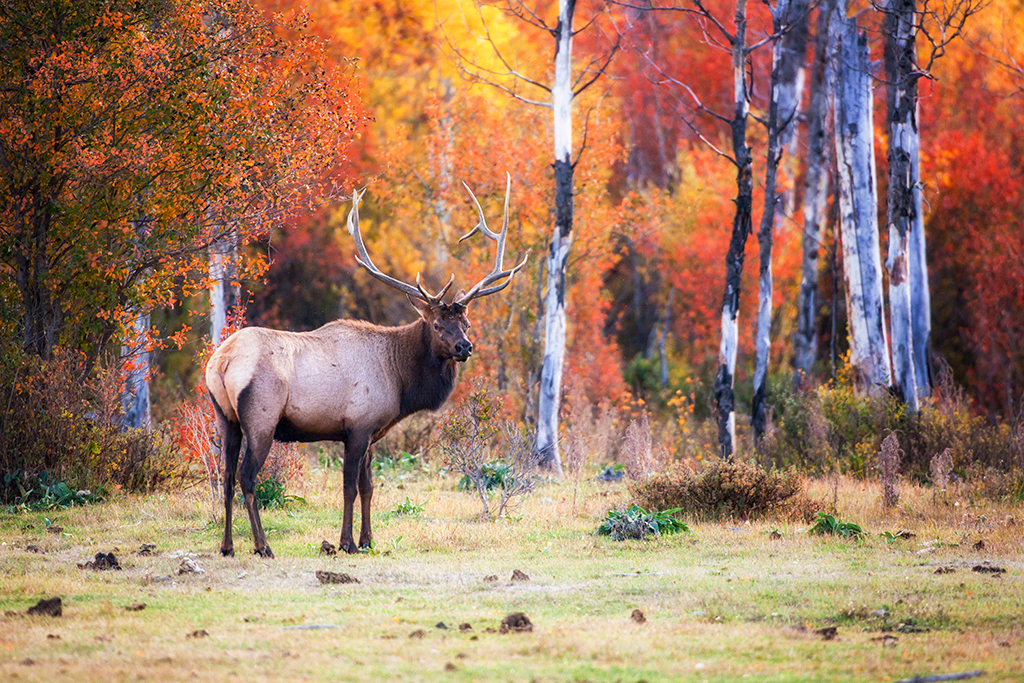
[725, 490]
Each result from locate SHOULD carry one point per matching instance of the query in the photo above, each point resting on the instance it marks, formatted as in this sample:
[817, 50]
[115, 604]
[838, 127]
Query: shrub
[270, 493]
[635, 522]
[726, 489]
[62, 420]
[831, 525]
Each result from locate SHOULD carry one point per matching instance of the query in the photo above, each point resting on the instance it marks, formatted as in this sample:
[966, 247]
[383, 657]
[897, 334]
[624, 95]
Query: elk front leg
[355, 451]
[365, 496]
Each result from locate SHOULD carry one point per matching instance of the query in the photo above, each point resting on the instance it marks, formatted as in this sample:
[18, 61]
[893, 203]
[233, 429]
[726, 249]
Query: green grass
[724, 603]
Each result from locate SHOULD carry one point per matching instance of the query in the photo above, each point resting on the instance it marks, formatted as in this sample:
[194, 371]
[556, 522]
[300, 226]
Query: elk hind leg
[230, 442]
[257, 449]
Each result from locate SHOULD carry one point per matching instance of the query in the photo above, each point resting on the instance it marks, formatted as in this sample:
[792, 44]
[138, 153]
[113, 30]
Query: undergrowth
[636, 523]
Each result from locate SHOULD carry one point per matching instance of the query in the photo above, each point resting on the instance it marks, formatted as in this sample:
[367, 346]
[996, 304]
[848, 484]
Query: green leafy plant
[45, 492]
[635, 522]
[832, 525]
[891, 537]
[270, 493]
[409, 508]
[493, 476]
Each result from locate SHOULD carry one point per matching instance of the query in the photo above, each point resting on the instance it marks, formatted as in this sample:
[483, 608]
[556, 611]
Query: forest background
[252, 122]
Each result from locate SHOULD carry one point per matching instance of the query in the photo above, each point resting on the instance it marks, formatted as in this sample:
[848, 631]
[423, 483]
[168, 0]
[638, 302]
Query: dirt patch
[136, 607]
[418, 633]
[334, 577]
[516, 622]
[199, 633]
[491, 578]
[327, 548]
[102, 562]
[51, 607]
[944, 570]
[519, 576]
[987, 568]
[147, 549]
[886, 640]
[638, 617]
[33, 549]
[828, 633]
[54, 529]
[465, 627]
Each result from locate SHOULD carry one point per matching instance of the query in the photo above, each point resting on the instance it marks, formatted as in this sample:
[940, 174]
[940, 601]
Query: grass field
[725, 603]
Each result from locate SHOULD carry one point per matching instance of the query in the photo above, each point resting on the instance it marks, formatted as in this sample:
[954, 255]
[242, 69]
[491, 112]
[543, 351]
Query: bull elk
[348, 381]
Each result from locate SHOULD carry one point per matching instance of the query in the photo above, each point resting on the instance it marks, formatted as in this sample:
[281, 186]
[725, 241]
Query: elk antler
[363, 259]
[484, 287]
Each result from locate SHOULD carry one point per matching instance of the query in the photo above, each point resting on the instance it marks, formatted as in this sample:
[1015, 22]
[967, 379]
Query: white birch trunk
[858, 210]
[135, 402]
[224, 293]
[805, 345]
[920, 296]
[902, 108]
[725, 399]
[550, 398]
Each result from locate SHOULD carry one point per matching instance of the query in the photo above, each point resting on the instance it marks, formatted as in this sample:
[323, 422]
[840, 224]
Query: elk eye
[436, 326]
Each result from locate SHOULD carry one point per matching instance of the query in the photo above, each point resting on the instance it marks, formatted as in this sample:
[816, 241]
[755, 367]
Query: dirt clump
[491, 578]
[199, 633]
[54, 529]
[441, 625]
[519, 576]
[465, 627]
[638, 617]
[334, 577]
[987, 568]
[979, 546]
[328, 548]
[53, 636]
[828, 633]
[33, 548]
[50, 607]
[516, 622]
[944, 570]
[147, 549]
[135, 607]
[418, 633]
[449, 667]
[102, 562]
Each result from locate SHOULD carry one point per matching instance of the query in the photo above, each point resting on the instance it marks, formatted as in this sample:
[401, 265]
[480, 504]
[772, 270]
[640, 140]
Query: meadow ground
[728, 602]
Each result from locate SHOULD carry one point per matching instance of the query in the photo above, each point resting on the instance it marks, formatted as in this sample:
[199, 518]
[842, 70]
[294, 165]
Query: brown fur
[348, 381]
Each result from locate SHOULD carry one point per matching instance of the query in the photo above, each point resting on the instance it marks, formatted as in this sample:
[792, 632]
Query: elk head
[447, 321]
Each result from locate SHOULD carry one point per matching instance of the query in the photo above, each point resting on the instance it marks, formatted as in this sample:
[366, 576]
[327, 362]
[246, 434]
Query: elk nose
[464, 348]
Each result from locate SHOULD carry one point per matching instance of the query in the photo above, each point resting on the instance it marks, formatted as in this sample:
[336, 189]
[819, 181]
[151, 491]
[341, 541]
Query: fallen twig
[943, 677]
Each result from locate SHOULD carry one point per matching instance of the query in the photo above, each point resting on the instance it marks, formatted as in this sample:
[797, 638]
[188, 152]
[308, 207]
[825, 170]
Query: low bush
[830, 525]
[726, 489]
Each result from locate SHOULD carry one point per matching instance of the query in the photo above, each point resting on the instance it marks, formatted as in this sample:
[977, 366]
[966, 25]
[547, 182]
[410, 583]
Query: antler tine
[482, 288]
[363, 259]
[433, 299]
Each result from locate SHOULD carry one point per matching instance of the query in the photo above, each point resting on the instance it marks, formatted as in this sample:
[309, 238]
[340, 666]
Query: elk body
[348, 381]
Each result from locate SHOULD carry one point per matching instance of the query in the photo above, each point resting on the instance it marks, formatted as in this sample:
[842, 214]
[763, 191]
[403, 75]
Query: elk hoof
[365, 545]
[349, 547]
[265, 551]
[227, 552]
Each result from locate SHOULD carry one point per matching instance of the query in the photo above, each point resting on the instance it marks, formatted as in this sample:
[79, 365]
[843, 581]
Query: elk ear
[422, 307]
[461, 293]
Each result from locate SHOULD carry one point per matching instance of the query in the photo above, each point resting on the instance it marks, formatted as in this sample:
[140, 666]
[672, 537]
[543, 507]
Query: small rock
[979, 546]
[189, 566]
[198, 633]
[147, 549]
[51, 607]
[418, 633]
[516, 622]
[519, 576]
[638, 617]
[465, 627]
[441, 625]
[135, 607]
[335, 577]
[828, 633]
[886, 640]
[327, 548]
[491, 578]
